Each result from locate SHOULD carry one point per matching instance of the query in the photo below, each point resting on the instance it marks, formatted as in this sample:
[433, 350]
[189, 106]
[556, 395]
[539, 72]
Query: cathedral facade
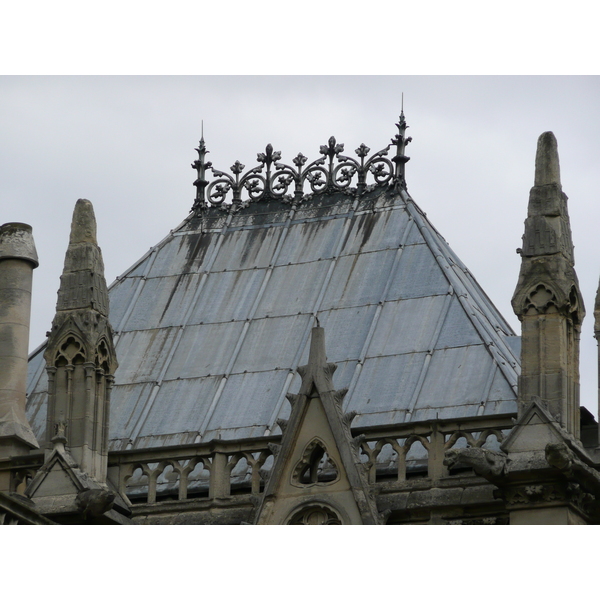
[305, 348]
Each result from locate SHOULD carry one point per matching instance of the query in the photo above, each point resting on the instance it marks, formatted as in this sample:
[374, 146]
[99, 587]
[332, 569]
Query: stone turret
[547, 299]
[18, 258]
[80, 356]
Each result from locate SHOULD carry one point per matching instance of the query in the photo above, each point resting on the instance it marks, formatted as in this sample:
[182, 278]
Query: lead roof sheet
[213, 322]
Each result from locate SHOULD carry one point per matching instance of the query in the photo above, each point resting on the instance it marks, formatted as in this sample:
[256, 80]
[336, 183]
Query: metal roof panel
[417, 275]
[217, 317]
[204, 350]
[187, 414]
[225, 296]
[238, 405]
[248, 248]
[358, 279]
[387, 383]
[456, 377]
[292, 289]
[142, 354]
[376, 231]
[407, 326]
[271, 343]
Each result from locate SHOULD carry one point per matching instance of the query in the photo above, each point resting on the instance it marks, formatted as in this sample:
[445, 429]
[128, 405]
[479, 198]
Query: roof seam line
[459, 287]
[246, 327]
[432, 344]
[462, 276]
[338, 248]
[378, 310]
[486, 391]
[175, 344]
[136, 295]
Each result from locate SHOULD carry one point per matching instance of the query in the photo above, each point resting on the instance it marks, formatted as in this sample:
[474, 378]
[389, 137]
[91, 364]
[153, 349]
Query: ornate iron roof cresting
[272, 179]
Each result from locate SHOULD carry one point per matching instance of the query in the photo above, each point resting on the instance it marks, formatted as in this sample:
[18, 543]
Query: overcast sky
[126, 144]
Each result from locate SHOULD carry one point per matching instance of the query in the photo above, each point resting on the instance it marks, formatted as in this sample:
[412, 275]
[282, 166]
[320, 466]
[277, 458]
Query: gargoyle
[562, 458]
[559, 456]
[94, 503]
[486, 463]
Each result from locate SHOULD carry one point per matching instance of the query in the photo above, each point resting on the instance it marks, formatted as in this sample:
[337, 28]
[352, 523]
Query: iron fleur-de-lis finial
[274, 180]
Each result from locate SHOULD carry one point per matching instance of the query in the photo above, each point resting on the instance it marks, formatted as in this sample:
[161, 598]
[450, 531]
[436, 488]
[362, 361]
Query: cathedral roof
[212, 323]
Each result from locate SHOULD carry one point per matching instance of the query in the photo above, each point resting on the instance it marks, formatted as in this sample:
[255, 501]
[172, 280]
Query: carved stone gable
[534, 430]
[317, 477]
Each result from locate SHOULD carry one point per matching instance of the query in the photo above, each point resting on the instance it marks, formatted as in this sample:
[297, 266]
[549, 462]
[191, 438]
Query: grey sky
[126, 144]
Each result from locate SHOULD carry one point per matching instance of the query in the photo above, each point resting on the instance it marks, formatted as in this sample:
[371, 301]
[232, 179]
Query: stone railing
[217, 469]
[400, 453]
[220, 469]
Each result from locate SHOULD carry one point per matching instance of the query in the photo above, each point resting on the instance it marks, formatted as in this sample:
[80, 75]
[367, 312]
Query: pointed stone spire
[18, 258]
[318, 373]
[547, 299]
[82, 283]
[80, 356]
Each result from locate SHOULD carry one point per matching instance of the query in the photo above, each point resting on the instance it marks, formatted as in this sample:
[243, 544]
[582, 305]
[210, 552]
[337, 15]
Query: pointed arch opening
[316, 467]
[103, 356]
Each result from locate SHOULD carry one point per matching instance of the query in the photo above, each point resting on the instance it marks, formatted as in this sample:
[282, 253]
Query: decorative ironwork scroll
[272, 179]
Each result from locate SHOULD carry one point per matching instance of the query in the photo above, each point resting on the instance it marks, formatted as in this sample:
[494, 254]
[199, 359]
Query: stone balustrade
[223, 469]
[393, 456]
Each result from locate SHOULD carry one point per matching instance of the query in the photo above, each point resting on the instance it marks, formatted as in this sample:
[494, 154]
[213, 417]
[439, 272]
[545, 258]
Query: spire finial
[201, 166]
[400, 141]
[547, 168]
[72, 294]
[83, 224]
